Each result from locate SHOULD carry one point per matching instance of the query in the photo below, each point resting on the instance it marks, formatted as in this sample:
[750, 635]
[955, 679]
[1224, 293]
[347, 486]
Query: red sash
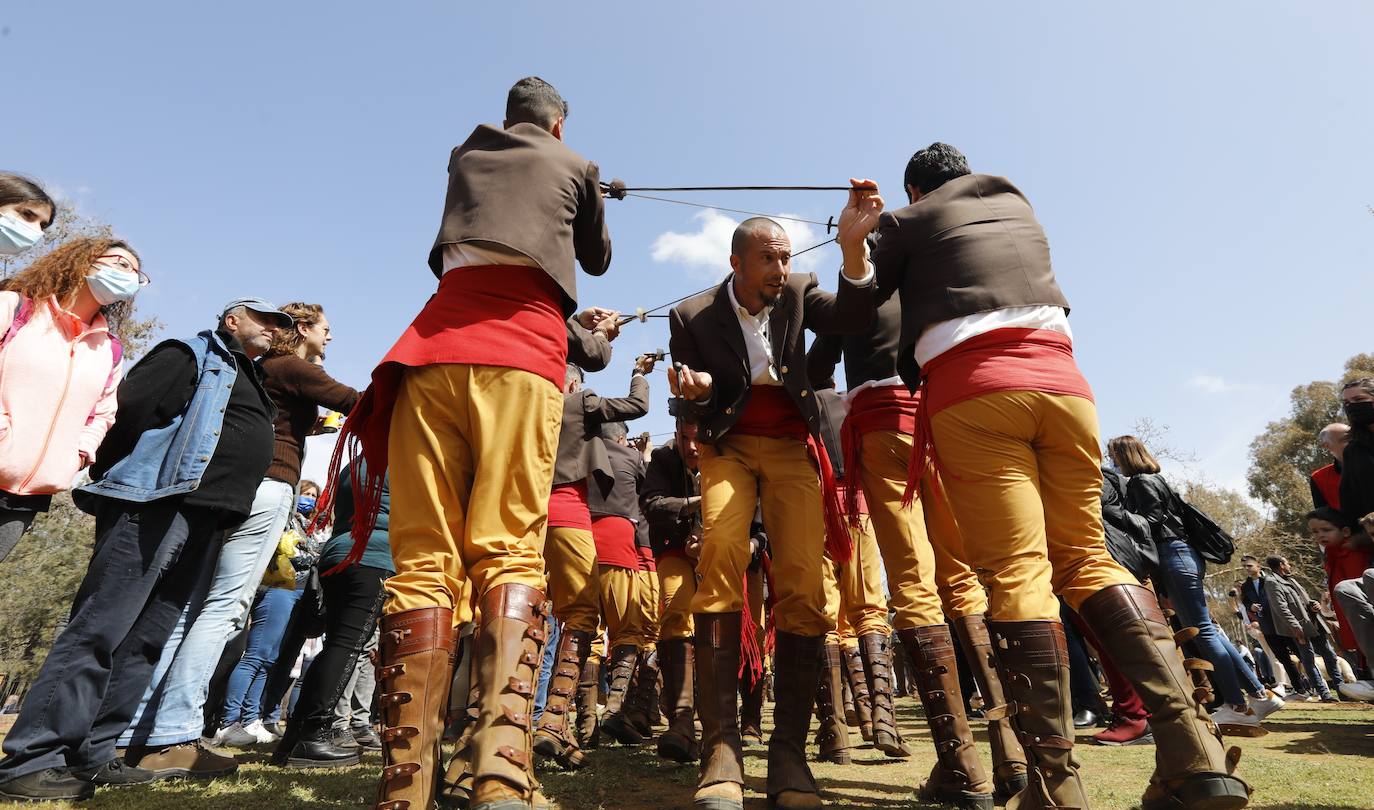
[882, 407]
[568, 506]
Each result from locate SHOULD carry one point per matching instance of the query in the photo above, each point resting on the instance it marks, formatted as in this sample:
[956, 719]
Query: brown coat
[523, 189]
[972, 245]
[298, 388]
[706, 336]
[580, 451]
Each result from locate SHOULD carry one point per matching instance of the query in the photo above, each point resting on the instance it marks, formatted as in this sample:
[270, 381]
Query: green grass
[1316, 757]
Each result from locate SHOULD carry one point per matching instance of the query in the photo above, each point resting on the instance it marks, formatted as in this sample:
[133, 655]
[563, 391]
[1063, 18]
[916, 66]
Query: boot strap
[394, 804]
[394, 698]
[535, 633]
[521, 688]
[1197, 664]
[518, 719]
[514, 755]
[529, 659]
[392, 734]
[996, 712]
[1051, 741]
[401, 769]
[391, 670]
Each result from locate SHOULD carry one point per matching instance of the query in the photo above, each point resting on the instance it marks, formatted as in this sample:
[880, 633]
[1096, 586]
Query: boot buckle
[391, 670]
[402, 769]
[514, 755]
[518, 719]
[394, 698]
[521, 688]
[399, 733]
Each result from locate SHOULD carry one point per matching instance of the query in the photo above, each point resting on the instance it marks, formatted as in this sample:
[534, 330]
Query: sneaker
[49, 784]
[342, 738]
[237, 736]
[1238, 721]
[115, 773]
[1357, 690]
[189, 759]
[1266, 705]
[1330, 698]
[258, 731]
[1125, 731]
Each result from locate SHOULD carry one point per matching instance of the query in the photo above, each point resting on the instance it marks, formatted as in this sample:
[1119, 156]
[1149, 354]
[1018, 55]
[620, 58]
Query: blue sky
[1202, 170]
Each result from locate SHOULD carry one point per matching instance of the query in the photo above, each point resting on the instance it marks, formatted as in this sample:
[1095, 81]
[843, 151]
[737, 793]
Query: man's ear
[913, 194]
[735, 262]
[557, 129]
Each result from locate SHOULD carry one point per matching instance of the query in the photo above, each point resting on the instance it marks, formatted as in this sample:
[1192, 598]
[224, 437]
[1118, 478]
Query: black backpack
[1204, 535]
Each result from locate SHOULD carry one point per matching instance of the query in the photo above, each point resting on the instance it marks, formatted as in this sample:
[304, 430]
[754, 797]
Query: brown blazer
[587, 349]
[972, 245]
[580, 451]
[706, 336]
[523, 189]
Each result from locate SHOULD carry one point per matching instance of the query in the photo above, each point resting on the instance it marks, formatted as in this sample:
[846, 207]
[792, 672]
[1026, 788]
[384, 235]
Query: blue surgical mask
[111, 284]
[16, 235]
[305, 504]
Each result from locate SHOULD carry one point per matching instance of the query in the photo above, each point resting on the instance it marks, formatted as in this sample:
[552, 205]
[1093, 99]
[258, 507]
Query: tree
[1286, 453]
[42, 574]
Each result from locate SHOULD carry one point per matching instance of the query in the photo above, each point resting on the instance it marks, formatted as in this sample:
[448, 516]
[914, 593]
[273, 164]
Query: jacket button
[729, 411]
[805, 392]
[784, 369]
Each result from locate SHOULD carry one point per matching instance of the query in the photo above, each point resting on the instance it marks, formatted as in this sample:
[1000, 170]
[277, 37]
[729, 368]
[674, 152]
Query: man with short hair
[179, 467]
[1326, 481]
[740, 350]
[467, 405]
[1009, 422]
[1254, 597]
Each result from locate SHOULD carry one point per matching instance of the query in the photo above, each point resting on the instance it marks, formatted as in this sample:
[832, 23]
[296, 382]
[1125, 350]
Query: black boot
[318, 748]
[48, 784]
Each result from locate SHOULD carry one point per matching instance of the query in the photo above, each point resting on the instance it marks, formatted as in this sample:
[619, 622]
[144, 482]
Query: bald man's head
[747, 229]
[1334, 438]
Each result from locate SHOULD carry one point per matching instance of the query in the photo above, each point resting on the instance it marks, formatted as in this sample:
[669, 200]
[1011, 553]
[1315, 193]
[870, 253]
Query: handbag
[312, 608]
[1204, 535]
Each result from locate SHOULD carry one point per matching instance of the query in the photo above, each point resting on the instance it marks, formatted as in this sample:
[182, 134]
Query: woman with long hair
[60, 365]
[26, 211]
[1180, 576]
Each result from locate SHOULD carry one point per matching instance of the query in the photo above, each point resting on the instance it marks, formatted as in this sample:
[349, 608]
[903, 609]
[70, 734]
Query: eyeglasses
[123, 263]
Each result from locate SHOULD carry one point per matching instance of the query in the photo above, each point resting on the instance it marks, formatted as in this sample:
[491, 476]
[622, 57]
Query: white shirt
[478, 254]
[757, 339]
[939, 338]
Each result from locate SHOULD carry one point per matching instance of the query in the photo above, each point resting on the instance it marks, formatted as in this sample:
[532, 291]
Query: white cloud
[1216, 384]
[705, 253]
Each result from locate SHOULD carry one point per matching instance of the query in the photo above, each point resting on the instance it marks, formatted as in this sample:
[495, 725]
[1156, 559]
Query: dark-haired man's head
[534, 101]
[1277, 564]
[686, 442]
[761, 256]
[931, 168]
[615, 431]
[1252, 566]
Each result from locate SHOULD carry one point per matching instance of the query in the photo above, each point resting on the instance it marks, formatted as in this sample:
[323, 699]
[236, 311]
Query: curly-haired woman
[60, 363]
[26, 211]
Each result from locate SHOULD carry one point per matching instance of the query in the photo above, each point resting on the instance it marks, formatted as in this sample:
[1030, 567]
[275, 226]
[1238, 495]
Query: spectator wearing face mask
[60, 365]
[26, 211]
[1357, 459]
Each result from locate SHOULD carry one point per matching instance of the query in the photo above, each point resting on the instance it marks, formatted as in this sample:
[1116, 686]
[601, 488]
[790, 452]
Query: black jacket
[668, 485]
[1151, 497]
[1256, 593]
[1129, 539]
[160, 386]
[1357, 478]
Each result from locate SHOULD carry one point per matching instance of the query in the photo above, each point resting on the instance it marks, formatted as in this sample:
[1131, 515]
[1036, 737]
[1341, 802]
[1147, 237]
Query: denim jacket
[170, 460]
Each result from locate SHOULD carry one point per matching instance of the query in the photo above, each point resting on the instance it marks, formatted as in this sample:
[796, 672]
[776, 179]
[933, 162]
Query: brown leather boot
[417, 669]
[456, 789]
[616, 722]
[858, 691]
[832, 733]
[1033, 662]
[797, 670]
[679, 742]
[588, 724]
[509, 642]
[877, 672]
[1192, 769]
[555, 738]
[957, 778]
[640, 699]
[1008, 758]
[751, 712]
[717, 647]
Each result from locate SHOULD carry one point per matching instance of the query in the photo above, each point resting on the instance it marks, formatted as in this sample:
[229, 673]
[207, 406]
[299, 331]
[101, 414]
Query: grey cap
[260, 306]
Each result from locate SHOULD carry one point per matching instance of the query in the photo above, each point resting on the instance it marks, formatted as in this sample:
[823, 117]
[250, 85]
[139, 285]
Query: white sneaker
[1267, 705]
[236, 736]
[1280, 690]
[218, 739]
[1238, 721]
[1357, 690]
[263, 735]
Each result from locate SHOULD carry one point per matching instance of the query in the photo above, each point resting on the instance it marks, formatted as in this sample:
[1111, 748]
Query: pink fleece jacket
[57, 396]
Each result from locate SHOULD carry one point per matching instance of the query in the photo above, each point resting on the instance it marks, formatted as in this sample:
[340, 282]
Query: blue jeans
[172, 708]
[541, 692]
[1181, 570]
[271, 609]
